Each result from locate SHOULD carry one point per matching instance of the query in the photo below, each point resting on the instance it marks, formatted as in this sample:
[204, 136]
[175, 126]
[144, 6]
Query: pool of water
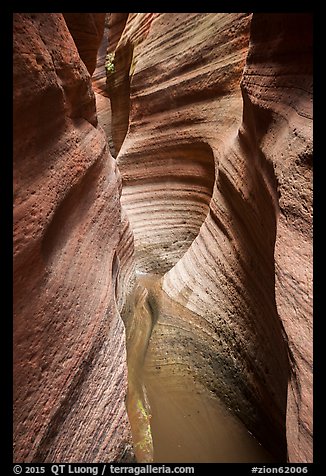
[174, 418]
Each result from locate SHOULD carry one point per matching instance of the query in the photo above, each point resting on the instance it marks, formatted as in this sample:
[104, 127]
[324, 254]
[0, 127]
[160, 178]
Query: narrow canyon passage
[162, 237]
[188, 399]
[196, 391]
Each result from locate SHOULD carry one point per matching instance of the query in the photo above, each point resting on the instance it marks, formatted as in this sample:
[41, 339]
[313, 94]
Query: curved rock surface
[232, 250]
[116, 25]
[87, 31]
[277, 86]
[69, 340]
[212, 128]
[103, 104]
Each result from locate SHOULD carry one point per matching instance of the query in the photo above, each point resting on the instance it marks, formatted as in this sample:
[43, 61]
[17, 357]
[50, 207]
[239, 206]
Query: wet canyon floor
[174, 418]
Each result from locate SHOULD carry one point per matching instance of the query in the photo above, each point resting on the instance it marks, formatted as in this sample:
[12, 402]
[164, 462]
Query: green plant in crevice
[109, 64]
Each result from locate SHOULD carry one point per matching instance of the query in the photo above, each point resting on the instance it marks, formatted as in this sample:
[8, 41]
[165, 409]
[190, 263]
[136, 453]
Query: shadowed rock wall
[69, 342]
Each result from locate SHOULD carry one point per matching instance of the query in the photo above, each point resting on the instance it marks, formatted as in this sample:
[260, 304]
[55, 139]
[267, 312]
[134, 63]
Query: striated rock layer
[217, 187]
[277, 89]
[212, 128]
[69, 341]
[103, 104]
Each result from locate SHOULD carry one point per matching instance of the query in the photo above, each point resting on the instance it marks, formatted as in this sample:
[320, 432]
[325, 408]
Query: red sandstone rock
[217, 186]
[116, 25]
[278, 116]
[69, 342]
[87, 32]
[235, 265]
[103, 104]
[99, 75]
[125, 59]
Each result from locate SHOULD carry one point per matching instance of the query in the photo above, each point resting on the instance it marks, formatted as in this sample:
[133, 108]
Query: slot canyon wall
[69, 344]
[211, 129]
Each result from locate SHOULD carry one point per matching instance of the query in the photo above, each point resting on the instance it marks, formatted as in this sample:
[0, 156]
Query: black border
[6, 219]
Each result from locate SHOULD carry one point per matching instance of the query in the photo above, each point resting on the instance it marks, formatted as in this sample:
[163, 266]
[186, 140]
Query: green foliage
[109, 64]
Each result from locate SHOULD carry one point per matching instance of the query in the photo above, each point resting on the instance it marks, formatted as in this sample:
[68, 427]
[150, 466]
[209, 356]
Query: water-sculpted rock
[69, 341]
[217, 186]
[211, 124]
[277, 88]
[87, 31]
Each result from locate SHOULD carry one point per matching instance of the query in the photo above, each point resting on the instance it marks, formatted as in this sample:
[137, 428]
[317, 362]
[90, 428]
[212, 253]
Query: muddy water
[173, 417]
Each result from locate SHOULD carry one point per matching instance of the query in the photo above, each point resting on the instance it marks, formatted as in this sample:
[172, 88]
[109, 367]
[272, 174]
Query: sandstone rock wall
[87, 31]
[212, 128]
[277, 86]
[116, 24]
[69, 342]
[217, 187]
